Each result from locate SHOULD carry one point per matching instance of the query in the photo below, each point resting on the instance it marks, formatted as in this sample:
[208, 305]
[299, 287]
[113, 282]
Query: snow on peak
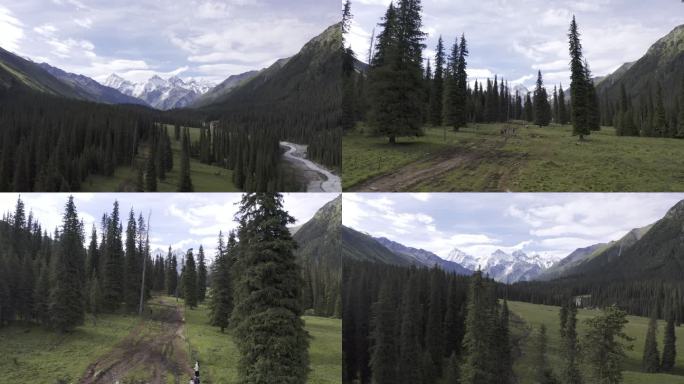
[161, 93]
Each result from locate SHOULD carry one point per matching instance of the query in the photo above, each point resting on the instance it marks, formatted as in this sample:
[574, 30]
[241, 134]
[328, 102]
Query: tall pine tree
[578, 85]
[437, 90]
[669, 342]
[650, 362]
[189, 278]
[66, 297]
[201, 276]
[269, 332]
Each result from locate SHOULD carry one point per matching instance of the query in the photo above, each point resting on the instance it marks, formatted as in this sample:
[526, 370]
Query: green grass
[205, 178]
[536, 159]
[535, 315]
[31, 354]
[219, 356]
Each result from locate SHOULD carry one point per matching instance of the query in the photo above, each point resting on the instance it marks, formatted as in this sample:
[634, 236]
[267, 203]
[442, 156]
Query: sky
[180, 220]
[550, 224]
[515, 38]
[204, 39]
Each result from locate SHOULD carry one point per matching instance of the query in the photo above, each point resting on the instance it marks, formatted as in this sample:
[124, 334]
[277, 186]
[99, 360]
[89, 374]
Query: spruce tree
[461, 96]
[95, 298]
[437, 89]
[66, 297]
[477, 340]
[409, 363]
[189, 278]
[543, 373]
[650, 362]
[680, 116]
[569, 344]
[453, 322]
[41, 297]
[150, 174]
[529, 111]
[171, 282]
[269, 332]
[201, 276]
[556, 119]
[384, 356]
[434, 335]
[578, 85]
[396, 74]
[133, 265]
[593, 111]
[669, 341]
[221, 298]
[93, 256]
[184, 180]
[562, 111]
[660, 119]
[605, 343]
[113, 272]
[504, 358]
[542, 110]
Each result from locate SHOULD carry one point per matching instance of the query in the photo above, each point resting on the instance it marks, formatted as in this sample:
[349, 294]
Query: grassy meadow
[31, 354]
[219, 356]
[534, 315]
[205, 177]
[480, 158]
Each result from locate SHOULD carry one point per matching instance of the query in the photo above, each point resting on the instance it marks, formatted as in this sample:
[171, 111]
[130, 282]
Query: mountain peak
[677, 210]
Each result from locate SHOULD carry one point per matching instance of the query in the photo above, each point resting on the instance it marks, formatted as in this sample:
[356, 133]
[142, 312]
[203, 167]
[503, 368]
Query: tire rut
[154, 353]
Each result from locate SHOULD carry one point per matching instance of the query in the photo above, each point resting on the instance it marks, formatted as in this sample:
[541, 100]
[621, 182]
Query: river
[318, 177]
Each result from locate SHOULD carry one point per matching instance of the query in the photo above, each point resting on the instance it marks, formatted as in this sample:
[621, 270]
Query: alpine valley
[268, 129]
[513, 317]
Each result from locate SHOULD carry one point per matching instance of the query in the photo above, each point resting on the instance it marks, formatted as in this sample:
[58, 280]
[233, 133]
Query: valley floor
[528, 317]
[316, 177]
[480, 158]
[158, 349]
[205, 177]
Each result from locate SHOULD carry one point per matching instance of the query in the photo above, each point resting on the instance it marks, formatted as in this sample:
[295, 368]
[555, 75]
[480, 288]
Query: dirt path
[407, 178]
[152, 351]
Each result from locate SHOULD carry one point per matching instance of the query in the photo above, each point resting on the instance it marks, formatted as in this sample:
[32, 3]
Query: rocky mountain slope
[91, 89]
[160, 93]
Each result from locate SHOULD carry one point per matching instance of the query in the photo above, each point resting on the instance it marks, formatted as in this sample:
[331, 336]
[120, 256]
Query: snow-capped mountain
[522, 90]
[502, 266]
[423, 257]
[161, 93]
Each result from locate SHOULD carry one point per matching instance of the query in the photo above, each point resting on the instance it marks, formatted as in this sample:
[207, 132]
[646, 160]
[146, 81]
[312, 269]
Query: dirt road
[151, 353]
[432, 170]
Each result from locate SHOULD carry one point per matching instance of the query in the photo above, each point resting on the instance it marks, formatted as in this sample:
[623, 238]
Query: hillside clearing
[479, 158]
[534, 315]
[205, 177]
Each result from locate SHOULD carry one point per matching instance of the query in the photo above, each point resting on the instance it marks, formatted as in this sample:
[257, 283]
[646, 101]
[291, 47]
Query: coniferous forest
[254, 289]
[399, 92]
[53, 141]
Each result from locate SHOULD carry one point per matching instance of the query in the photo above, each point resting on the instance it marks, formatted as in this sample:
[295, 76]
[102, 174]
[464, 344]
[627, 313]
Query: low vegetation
[485, 157]
[528, 317]
[219, 356]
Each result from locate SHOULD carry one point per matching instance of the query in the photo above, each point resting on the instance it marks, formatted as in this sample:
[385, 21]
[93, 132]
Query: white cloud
[11, 30]
[85, 22]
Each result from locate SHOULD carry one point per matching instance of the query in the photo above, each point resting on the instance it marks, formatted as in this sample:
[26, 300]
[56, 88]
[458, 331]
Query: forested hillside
[645, 97]
[409, 325]
[318, 251]
[53, 279]
[297, 100]
[51, 143]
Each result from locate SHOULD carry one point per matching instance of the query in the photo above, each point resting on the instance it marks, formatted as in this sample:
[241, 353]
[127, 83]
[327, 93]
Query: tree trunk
[392, 140]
